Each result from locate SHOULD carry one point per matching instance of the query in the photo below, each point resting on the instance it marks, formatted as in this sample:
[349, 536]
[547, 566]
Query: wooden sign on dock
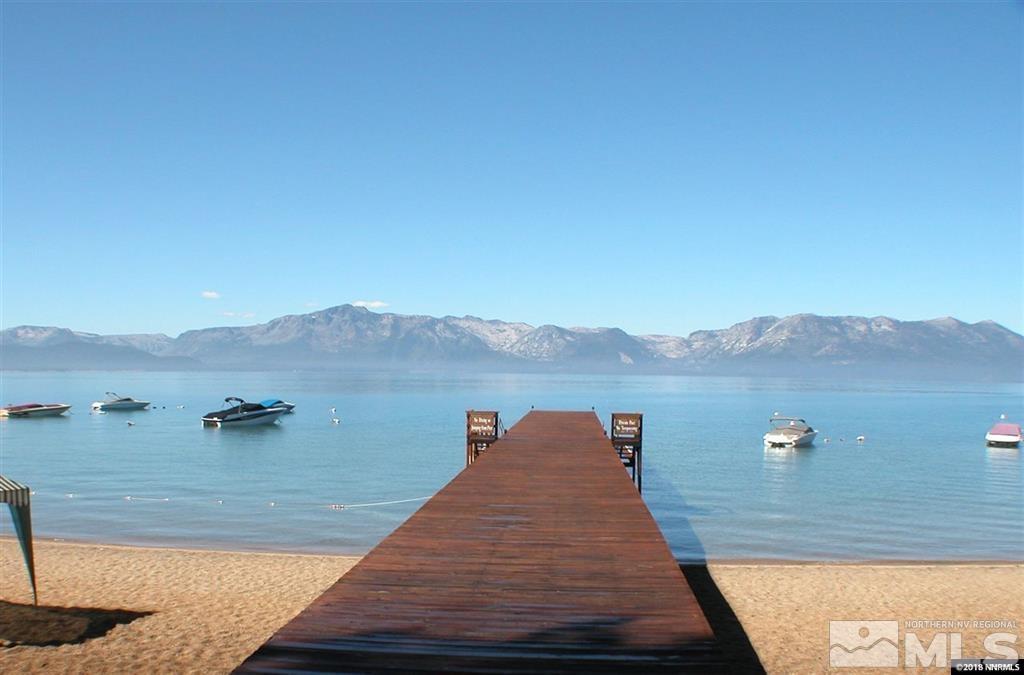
[628, 439]
[482, 429]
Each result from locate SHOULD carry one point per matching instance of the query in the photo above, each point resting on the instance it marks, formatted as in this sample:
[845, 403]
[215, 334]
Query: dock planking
[540, 557]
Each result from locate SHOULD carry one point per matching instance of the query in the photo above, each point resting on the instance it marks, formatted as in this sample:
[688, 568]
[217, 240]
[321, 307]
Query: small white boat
[1004, 435]
[35, 410]
[789, 432]
[115, 402]
[278, 403]
[242, 414]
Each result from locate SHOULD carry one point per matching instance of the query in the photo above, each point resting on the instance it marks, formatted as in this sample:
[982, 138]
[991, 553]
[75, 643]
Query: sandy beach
[786, 608]
[204, 611]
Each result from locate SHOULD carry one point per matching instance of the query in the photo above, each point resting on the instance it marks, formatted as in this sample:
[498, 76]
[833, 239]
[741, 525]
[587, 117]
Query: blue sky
[659, 167]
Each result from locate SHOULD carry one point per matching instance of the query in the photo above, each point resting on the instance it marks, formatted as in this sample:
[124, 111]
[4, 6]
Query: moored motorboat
[242, 414]
[115, 402]
[278, 403]
[789, 432]
[1004, 435]
[35, 410]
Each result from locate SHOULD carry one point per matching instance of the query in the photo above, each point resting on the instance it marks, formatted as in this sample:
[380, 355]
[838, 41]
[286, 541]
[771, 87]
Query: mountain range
[348, 337]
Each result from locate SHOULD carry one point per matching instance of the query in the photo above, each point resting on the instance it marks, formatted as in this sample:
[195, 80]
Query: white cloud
[312, 303]
[239, 315]
[370, 304]
[210, 295]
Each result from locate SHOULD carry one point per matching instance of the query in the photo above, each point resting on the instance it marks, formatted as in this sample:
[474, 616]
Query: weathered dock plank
[540, 557]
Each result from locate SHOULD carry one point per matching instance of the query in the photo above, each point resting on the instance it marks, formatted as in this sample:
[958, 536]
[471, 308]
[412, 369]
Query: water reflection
[780, 471]
[1003, 469]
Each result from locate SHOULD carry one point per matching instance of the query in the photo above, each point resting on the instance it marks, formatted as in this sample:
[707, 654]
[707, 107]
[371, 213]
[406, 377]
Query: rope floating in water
[396, 501]
[337, 506]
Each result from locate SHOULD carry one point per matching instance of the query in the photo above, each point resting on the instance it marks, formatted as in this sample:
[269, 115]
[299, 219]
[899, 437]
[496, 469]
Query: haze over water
[922, 486]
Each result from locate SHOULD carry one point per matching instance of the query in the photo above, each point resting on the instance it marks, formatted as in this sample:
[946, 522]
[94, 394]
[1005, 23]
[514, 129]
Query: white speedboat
[115, 402]
[1004, 434]
[35, 410]
[278, 403]
[242, 414]
[789, 432]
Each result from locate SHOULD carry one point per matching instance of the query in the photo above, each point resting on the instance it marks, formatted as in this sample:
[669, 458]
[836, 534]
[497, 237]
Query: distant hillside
[354, 337]
[877, 347]
[46, 348]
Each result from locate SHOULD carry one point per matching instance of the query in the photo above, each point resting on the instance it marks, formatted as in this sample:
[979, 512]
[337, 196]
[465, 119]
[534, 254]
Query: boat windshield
[789, 423]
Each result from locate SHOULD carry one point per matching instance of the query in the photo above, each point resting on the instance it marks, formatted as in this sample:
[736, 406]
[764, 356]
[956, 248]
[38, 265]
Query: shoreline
[7, 539]
[731, 562]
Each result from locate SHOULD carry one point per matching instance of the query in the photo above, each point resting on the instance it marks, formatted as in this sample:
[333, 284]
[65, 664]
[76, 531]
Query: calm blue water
[923, 486]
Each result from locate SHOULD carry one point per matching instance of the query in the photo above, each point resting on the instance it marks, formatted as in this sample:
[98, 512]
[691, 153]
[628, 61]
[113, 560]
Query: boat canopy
[237, 406]
[270, 402]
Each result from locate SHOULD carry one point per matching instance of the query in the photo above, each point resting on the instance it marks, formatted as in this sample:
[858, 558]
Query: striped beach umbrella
[18, 498]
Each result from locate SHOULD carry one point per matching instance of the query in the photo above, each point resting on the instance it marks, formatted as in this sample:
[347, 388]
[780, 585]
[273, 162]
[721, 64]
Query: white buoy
[335, 420]
[860, 439]
[130, 423]
[334, 411]
[828, 440]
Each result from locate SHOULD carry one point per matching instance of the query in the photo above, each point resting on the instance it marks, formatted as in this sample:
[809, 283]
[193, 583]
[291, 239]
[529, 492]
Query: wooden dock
[540, 557]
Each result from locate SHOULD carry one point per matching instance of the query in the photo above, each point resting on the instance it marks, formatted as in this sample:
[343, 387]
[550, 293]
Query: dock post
[482, 429]
[627, 436]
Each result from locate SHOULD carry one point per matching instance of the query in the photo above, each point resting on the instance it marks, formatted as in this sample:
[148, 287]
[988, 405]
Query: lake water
[922, 486]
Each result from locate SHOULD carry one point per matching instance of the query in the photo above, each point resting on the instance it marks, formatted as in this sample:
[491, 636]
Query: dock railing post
[627, 436]
[482, 429]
